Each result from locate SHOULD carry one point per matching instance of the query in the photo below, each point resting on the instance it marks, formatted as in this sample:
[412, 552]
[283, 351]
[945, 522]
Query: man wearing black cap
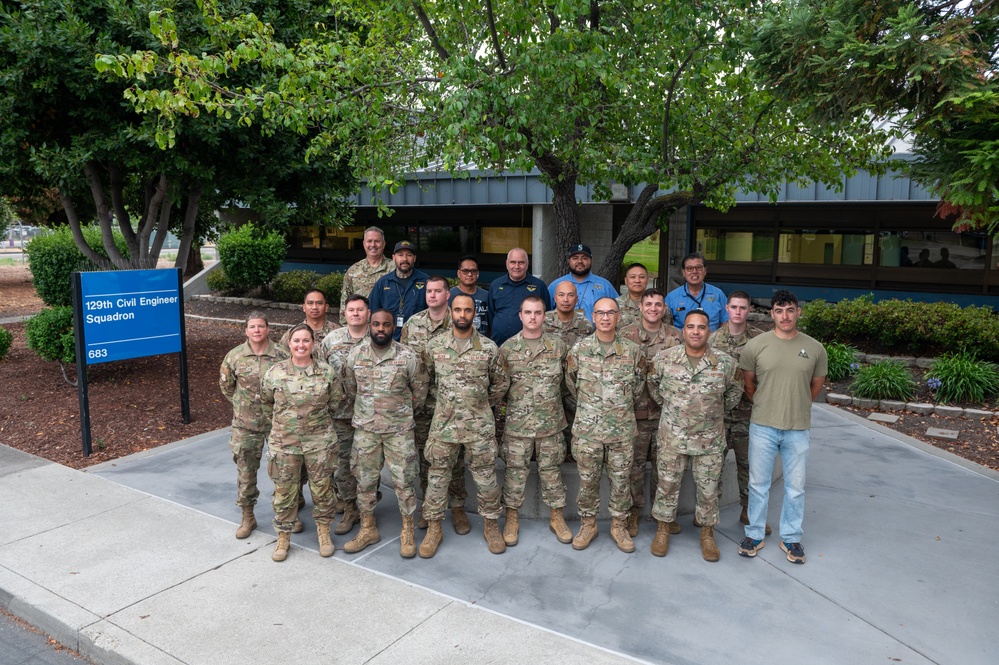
[589, 287]
[402, 291]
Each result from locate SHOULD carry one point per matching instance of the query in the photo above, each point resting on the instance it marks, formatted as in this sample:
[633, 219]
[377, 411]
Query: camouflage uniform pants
[707, 473]
[516, 452]
[591, 457]
[570, 417]
[482, 463]
[247, 447]
[285, 469]
[737, 439]
[645, 448]
[456, 491]
[397, 450]
[343, 476]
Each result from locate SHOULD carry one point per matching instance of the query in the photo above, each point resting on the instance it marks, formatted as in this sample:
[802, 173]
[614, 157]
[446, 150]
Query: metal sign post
[125, 314]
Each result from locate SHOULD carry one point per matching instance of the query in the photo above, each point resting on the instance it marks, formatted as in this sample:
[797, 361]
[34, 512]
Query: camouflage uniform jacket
[469, 382]
[571, 332]
[360, 278]
[603, 386]
[385, 390]
[416, 333]
[667, 337]
[303, 400]
[333, 351]
[694, 401]
[630, 311]
[318, 335]
[239, 379]
[534, 401]
[732, 345]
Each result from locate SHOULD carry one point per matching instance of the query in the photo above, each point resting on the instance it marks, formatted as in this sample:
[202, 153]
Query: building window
[733, 245]
[817, 247]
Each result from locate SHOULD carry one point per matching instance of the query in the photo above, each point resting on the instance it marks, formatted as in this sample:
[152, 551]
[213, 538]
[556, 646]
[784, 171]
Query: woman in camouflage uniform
[303, 393]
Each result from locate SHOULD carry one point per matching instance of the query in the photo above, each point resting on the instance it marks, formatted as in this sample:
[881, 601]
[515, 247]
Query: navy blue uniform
[402, 297]
[505, 297]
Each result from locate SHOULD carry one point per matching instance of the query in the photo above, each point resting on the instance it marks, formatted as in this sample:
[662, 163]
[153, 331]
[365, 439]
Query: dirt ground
[135, 404]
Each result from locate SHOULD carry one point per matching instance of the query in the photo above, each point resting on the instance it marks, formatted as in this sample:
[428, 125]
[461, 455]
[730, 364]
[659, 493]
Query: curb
[923, 409]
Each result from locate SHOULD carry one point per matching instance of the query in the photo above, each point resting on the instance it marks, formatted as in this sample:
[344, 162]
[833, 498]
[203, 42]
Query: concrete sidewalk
[135, 561]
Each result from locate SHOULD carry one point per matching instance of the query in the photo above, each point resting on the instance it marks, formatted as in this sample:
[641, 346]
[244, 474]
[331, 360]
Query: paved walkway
[135, 562]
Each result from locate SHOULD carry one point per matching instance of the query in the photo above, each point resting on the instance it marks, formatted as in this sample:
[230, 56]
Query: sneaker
[750, 546]
[795, 552]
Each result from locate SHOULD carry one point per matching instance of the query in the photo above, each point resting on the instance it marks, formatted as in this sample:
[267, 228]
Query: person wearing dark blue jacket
[507, 292]
[402, 291]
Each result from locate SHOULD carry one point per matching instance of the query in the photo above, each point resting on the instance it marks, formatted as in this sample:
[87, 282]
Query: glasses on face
[694, 268]
[603, 313]
[468, 271]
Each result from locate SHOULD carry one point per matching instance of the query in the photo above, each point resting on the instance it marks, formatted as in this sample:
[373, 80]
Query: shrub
[842, 360]
[292, 286]
[219, 283]
[6, 339]
[53, 257]
[250, 256]
[887, 379]
[963, 378]
[332, 285]
[50, 335]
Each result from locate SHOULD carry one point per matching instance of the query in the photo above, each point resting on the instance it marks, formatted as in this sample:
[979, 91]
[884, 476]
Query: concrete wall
[596, 229]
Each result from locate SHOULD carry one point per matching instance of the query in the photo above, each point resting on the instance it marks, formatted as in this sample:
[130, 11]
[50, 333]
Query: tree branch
[74, 227]
[492, 30]
[90, 169]
[428, 27]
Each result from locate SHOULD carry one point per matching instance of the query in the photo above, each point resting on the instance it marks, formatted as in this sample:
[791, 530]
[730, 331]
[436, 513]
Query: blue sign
[130, 314]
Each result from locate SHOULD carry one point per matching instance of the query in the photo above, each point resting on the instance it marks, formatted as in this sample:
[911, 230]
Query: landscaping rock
[882, 418]
[876, 358]
[924, 363]
[909, 361]
[937, 433]
[922, 409]
[860, 356]
[863, 403]
[948, 411]
[891, 405]
[977, 414]
[839, 400]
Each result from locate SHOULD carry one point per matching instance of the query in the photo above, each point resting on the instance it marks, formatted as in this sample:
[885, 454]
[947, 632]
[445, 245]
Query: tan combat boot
[338, 507]
[367, 535]
[407, 538]
[619, 532]
[248, 524]
[674, 527]
[493, 537]
[432, 540]
[350, 517]
[660, 544]
[281, 548]
[461, 524]
[709, 549]
[633, 516]
[587, 532]
[511, 530]
[326, 547]
[557, 525]
[421, 523]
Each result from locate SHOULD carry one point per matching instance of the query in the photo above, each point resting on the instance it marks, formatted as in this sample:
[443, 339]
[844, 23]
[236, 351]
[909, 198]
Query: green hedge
[251, 256]
[292, 286]
[904, 326]
[6, 339]
[50, 335]
[53, 257]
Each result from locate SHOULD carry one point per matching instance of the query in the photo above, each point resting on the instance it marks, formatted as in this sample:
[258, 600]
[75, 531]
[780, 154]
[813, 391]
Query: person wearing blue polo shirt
[696, 294]
[403, 291]
[589, 287]
[507, 292]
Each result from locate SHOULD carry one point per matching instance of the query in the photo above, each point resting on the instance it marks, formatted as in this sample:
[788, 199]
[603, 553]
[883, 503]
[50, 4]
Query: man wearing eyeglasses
[604, 377]
[468, 283]
[696, 294]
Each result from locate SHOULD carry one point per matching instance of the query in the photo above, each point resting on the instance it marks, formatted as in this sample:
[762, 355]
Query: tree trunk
[74, 227]
[642, 221]
[195, 264]
[92, 171]
[187, 234]
[566, 221]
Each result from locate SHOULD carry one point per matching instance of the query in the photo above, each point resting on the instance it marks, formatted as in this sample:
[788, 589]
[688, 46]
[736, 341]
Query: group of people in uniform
[419, 376]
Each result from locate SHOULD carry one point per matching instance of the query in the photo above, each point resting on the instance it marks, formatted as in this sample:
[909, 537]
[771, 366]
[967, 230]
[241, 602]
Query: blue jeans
[764, 444]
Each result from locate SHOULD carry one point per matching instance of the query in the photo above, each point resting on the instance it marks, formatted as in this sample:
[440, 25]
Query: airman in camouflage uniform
[636, 281]
[652, 334]
[416, 333]
[534, 419]
[361, 276]
[737, 426]
[385, 382]
[315, 309]
[604, 378]
[303, 393]
[239, 379]
[471, 376]
[696, 387]
[333, 351]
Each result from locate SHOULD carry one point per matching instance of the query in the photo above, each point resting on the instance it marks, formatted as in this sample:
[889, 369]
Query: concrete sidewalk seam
[409, 632]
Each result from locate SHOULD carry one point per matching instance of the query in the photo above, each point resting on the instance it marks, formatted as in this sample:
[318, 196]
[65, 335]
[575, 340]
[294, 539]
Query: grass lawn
[646, 253]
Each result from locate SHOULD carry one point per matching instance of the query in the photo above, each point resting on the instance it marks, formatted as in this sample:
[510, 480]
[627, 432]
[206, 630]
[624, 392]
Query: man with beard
[589, 287]
[468, 283]
[385, 382]
[471, 376]
[402, 290]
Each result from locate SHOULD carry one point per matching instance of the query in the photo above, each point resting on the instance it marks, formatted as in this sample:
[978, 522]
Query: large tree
[67, 128]
[928, 66]
[657, 94]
